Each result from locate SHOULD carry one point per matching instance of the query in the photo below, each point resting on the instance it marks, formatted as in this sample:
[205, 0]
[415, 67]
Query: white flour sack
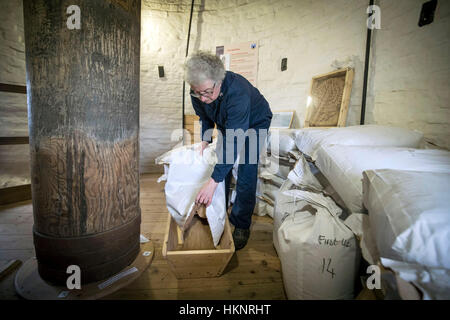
[319, 254]
[188, 172]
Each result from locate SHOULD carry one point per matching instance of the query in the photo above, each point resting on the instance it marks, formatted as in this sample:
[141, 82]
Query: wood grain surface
[82, 187]
[83, 112]
[326, 100]
[83, 93]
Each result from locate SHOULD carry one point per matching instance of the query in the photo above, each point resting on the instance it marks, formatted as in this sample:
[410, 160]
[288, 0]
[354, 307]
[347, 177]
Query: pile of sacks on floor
[275, 163]
[319, 254]
[281, 160]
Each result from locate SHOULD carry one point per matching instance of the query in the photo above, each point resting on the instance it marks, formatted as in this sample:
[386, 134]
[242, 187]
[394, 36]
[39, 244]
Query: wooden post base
[30, 285]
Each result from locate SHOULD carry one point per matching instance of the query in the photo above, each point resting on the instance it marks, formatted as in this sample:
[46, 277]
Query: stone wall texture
[408, 78]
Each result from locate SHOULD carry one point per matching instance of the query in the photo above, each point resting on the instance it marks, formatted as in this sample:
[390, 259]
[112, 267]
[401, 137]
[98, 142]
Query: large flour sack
[319, 254]
[188, 172]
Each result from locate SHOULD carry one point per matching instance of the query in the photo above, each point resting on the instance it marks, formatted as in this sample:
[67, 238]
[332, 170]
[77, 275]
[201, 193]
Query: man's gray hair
[203, 66]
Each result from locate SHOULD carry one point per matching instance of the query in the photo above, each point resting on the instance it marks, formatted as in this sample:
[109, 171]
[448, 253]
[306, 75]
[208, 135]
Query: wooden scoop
[198, 209]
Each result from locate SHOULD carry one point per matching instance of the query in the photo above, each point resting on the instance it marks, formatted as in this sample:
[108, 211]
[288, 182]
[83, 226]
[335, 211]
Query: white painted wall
[313, 35]
[14, 159]
[409, 75]
[13, 106]
[411, 71]
[163, 30]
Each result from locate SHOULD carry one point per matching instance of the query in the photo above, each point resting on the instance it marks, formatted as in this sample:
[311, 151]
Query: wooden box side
[195, 256]
[170, 236]
[193, 126]
[198, 263]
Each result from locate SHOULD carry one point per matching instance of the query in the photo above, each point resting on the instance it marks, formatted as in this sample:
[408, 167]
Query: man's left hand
[206, 193]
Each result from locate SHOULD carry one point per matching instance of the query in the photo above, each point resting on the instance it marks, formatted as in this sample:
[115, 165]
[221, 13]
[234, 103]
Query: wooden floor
[253, 272]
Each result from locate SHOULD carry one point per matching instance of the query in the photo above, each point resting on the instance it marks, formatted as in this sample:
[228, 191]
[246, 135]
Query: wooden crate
[192, 254]
[192, 124]
[329, 98]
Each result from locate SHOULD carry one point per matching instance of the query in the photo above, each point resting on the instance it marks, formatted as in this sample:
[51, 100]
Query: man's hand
[206, 193]
[203, 146]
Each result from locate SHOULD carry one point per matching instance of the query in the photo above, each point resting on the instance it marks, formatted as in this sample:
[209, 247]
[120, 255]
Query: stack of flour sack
[318, 252]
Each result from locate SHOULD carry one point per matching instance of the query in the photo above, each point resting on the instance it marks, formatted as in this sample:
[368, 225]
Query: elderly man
[241, 113]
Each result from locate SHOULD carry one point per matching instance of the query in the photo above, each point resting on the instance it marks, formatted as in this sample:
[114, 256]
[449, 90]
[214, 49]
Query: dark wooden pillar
[83, 113]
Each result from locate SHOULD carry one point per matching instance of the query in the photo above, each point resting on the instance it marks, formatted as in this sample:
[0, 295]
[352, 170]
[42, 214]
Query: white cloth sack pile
[343, 166]
[264, 207]
[360, 225]
[433, 283]
[269, 186]
[319, 254]
[266, 192]
[274, 169]
[188, 171]
[285, 204]
[281, 141]
[309, 141]
[410, 220]
[276, 166]
[302, 176]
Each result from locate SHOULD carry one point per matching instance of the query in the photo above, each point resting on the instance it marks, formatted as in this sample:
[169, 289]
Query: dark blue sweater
[239, 106]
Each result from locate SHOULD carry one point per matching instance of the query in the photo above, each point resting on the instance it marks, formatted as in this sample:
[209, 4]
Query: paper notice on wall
[241, 58]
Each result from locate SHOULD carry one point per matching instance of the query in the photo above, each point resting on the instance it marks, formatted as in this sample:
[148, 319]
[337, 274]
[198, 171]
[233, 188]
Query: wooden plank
[20, 208]
[190, 118]
[194, 256]
[230, 292]
[16, 241]
[16, 229]
[14, 140]
[7, 218]
[346, 98]
[15, 194]
[152, 201]
[8, 268]
[6, 87]
[195, 128]
[252, 273]
[16, 254]
[329, 74]
[243, 269]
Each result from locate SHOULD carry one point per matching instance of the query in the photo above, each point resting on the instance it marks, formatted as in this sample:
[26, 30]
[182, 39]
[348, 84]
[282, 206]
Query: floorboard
[253, 272]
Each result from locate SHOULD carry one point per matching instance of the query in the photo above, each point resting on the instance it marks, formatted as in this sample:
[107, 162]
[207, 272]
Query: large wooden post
[83, 113]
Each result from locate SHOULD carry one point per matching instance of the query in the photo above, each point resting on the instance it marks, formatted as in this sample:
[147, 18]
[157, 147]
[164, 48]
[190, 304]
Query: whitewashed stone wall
[408, 83]
[314, 36]
[14, 159]
[164, 27]
[412, 71]
[13, 106]
[409, 74]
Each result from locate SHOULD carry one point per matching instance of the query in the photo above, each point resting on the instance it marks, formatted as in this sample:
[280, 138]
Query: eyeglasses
[206, 93]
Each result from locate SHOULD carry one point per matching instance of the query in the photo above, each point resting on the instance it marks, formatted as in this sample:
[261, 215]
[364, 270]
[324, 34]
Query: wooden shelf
[14, 140]
[5, 87]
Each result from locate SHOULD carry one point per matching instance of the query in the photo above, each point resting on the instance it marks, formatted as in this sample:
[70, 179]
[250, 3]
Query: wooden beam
[6, 87]
[15, 194]
[14, 140]
[8, 268]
